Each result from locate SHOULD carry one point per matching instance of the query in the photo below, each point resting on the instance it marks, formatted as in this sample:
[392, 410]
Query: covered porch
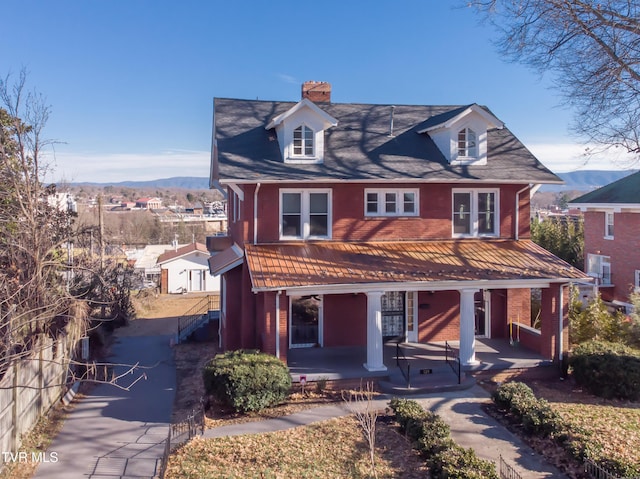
[428, 369]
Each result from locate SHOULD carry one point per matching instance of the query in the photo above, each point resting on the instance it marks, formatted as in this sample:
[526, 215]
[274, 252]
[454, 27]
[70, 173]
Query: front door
[306, 320]
[393, 314]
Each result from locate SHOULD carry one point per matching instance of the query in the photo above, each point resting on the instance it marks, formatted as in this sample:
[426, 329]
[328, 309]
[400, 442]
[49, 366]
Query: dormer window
[467, 143]
[303, 141]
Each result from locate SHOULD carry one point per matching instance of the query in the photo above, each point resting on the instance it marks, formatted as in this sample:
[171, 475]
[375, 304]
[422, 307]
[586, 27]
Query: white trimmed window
[467, 143]
[599, 266]
[475, 213]
[388, 202]
[305, 214]
[303, 142]
[608, 224]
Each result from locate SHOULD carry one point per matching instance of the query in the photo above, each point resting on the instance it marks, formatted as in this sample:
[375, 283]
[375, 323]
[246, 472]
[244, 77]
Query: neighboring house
[186, 270]
[149, 203]
[354, 223]
[145, 261]
[611, 239]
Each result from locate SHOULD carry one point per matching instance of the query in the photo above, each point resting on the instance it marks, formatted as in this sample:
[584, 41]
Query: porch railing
[403, 363]
[453, 360]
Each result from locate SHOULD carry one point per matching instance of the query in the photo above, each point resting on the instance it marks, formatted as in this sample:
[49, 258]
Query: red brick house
[353, 223]
[611, 240]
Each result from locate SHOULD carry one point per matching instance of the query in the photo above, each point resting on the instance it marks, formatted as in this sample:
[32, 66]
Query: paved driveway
[116, 433]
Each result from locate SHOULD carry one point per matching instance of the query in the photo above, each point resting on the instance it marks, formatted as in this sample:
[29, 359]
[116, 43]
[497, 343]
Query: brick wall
[438, 316]
[624, 249]
[345, 320]
[350, 224]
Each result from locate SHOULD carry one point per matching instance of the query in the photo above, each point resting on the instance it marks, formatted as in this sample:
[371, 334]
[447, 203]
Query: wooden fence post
[14, 409]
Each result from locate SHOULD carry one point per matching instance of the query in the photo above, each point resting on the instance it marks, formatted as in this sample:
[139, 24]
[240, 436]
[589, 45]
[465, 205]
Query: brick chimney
[317, 91]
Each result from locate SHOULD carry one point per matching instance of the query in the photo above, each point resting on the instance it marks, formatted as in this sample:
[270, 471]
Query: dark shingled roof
[626, 190]
[360, 148]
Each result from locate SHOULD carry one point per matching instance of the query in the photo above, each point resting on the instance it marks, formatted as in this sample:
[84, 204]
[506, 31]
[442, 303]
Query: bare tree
[360, 403]
[37, 299]
[592, 46]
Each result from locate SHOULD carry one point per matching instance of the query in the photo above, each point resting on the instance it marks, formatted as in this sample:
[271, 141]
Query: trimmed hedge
[608, 370]
[247, 380]
[536, 415]
[431, 436]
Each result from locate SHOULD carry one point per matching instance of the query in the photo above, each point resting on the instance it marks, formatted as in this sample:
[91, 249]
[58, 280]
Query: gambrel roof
[362, 146]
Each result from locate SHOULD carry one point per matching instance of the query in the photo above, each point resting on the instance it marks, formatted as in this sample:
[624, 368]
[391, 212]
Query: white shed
[186, 270]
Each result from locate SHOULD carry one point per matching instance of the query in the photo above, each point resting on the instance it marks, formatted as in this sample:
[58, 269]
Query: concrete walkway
[462, 410]
[113, 433]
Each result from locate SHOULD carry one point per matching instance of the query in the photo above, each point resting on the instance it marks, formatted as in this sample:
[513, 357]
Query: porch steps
[436, 382]
[200, 315]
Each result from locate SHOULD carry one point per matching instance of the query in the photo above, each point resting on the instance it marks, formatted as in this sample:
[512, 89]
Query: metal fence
[181, 432]
[599, 472]
[506, 471]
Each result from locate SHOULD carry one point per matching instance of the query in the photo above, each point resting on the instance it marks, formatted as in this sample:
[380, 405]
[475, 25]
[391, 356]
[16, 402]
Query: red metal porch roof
[291, 265]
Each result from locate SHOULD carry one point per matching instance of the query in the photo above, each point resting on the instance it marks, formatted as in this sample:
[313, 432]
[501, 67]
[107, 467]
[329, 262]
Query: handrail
[194, 315]
[454, 361]
[400, 351]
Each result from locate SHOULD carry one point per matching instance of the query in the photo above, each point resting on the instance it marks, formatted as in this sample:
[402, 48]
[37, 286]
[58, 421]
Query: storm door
[393, 314]
[306, 322]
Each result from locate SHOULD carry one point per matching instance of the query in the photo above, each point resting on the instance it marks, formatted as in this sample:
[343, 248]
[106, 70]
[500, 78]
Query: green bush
[504, 395]
[459, 463]
[536, 415]
[409, 415]
[431, 434]
[608, 370]
[434, 435]
[247, 380]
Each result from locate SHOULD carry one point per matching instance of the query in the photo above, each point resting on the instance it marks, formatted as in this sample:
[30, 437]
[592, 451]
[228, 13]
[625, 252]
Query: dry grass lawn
[330, 449]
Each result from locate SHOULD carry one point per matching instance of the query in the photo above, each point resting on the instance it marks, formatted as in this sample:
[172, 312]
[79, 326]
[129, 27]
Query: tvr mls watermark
[24, 457]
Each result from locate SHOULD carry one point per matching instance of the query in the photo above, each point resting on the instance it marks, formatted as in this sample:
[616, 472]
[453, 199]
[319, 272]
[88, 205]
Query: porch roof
[440, 264]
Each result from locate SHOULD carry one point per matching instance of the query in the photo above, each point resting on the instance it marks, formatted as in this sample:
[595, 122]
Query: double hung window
[387, 202]
[608, 227]
[305, 214]
[467, 143]
[475, 212]
[303, 141]
[599, 266]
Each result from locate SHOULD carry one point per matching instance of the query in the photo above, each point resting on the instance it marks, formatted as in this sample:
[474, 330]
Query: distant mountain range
[586, 180]
[184, 182]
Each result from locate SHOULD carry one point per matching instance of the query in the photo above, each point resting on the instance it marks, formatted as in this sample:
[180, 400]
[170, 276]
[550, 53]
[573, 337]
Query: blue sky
[131, 82]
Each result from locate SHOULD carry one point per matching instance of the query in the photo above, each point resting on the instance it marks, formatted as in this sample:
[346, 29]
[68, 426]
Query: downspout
[517, 221]
[561, 320]
[278, 324]
[255, 214]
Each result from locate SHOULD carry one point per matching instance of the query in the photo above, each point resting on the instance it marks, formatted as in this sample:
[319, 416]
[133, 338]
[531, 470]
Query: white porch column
[467, 327]
[375, 361]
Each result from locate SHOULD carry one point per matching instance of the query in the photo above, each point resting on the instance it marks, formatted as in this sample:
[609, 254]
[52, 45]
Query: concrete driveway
[117, 433]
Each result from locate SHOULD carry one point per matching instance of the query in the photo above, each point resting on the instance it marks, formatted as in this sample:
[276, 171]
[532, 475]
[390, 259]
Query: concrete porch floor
[347, 363]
